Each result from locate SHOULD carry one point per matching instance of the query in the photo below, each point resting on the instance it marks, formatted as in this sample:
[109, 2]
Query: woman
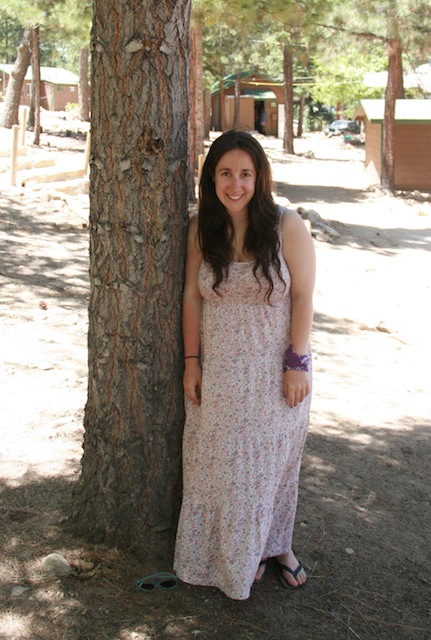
[247, 313]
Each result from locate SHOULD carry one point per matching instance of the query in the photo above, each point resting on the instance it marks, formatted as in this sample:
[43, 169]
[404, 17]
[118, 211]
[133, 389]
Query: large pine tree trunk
[394, 91]
[16, 80]
[83, 88]
[288, 100]
[129, 490]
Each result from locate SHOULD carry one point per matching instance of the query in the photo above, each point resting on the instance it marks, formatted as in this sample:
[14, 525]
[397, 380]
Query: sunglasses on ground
[165, 581]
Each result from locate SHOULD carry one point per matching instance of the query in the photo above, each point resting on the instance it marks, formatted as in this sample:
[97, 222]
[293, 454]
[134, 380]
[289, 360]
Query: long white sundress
[242, 447]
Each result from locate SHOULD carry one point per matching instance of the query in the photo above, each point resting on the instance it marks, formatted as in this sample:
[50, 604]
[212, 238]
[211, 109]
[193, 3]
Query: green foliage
[319, 115]
[32, 12]
[353, 41]
[10, 36]
[72, 108]
[340, 78]
[70, 18]
[250, 36]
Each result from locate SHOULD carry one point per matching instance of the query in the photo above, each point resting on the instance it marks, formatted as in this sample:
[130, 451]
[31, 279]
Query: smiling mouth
[234, 197]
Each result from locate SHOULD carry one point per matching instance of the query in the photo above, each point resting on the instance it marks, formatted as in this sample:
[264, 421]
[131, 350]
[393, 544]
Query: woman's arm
[299, 254]
[192, 303]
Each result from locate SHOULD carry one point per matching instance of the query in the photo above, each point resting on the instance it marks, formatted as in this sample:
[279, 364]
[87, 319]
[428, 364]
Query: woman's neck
[240, 224]
[240, 229]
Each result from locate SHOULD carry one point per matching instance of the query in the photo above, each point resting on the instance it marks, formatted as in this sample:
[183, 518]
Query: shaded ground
[364, 518]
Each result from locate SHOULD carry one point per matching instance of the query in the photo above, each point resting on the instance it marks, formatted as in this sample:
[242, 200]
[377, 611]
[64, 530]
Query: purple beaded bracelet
[294, 362]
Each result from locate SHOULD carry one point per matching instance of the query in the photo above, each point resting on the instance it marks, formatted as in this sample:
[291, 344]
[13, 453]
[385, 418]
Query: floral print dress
[242, 447]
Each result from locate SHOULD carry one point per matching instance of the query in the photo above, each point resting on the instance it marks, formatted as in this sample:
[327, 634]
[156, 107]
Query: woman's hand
[192, 380]
[296, 386]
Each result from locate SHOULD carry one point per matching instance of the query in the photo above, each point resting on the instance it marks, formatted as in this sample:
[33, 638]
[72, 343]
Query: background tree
[10, 35]
[292, 23]
[31, 15]
[398, 25]
[35, 68]
[74, 23]
[339, 74]
[129, 490]
[16, 80]
[196, 117]
[84, 87]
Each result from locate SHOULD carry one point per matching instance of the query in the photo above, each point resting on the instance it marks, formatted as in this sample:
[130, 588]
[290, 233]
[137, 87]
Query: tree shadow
[363, 525]
[297, 193]
[323, 322]
[54, 263]
[386, 241]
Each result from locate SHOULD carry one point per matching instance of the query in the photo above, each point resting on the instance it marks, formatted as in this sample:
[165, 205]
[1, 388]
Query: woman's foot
[261, 571]
[291, 571]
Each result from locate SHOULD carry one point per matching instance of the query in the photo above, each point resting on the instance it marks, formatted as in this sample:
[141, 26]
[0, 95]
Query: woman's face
[235, 181]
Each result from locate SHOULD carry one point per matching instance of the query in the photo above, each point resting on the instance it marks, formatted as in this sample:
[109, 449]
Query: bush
[72, 108]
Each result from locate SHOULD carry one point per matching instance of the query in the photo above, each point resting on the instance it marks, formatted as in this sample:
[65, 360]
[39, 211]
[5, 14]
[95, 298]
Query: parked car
[339, 127]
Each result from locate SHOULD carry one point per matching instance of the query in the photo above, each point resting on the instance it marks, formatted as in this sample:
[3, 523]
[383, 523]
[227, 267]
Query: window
[28, 89]
[59, 87]
[72, 89]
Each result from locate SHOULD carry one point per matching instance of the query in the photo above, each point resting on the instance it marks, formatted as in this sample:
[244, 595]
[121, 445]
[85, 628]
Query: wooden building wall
[246, 112]
[53, 97]
[373, 150]
[247, 122]
[413, 157]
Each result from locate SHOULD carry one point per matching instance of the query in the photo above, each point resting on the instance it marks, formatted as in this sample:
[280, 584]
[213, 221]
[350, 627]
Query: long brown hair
[215, 228]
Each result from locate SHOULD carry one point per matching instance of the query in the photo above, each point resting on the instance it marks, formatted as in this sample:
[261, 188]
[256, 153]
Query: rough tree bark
[83, 88]
[128, 493]
[16, 80]
[394, 91]
[288, 100]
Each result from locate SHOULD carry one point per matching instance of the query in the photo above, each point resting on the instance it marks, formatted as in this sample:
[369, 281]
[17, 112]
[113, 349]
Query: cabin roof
[406, 111]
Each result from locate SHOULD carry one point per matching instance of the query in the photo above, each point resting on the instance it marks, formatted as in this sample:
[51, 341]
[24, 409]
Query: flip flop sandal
[165, 581]
[282, 567]
[262, 563]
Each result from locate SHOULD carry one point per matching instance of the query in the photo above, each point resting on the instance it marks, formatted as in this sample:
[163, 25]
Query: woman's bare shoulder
[193, 221]
[193, 226]
[289, 218]
[192, 233]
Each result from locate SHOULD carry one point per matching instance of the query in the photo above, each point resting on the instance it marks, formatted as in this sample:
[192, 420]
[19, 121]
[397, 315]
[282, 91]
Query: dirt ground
[364, 519]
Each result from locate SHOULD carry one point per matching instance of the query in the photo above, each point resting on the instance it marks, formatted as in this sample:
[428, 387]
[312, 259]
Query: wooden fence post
[14, 154]
[24, 117]
[87, 153]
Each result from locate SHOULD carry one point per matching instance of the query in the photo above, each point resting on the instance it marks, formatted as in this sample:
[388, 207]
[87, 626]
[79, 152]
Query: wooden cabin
[412, 144]
[259, 95]
[58, 87]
